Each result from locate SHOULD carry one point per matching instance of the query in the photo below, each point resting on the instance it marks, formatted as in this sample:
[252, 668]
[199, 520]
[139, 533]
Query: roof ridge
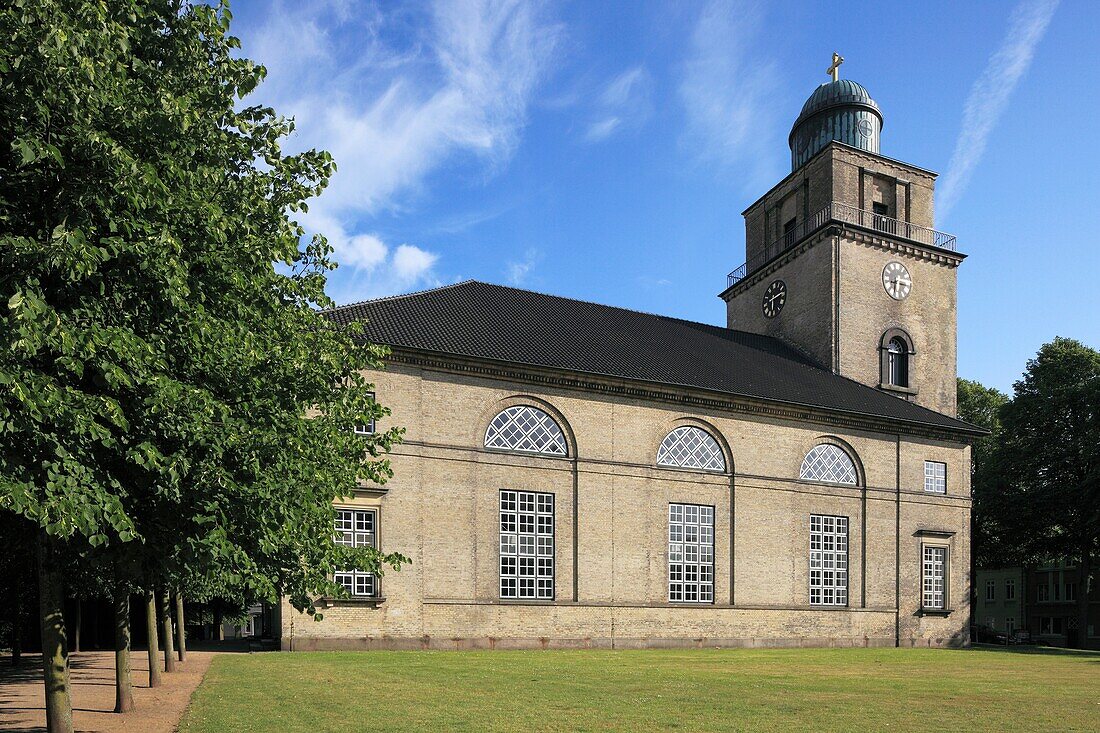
[398, 296]
[800, 356]
[616, 307]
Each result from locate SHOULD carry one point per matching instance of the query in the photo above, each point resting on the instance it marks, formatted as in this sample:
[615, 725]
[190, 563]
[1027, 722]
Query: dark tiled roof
[483, 321]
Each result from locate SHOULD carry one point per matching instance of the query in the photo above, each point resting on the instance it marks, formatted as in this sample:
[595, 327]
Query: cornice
[672, 394]
[847, 232]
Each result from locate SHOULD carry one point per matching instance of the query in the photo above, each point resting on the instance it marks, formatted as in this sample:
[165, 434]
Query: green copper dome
[837, 110]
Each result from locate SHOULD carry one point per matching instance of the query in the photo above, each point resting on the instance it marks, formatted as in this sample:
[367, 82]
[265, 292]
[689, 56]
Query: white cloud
[394, 96]
[392, 110]
[369, 267]
[729, 87]
[412, 263]
[517, 271]
[624, 103]
[990, 94]
[602, 129]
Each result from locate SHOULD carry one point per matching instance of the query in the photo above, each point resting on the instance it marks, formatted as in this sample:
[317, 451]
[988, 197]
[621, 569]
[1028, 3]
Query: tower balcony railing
[843, 214]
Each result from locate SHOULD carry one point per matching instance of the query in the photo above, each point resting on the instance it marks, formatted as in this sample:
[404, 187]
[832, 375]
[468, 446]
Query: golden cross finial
[834, 69]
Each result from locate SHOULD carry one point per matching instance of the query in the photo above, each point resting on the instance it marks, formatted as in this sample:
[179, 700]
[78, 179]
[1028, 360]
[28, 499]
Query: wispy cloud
[395, 96]
[729, 87]
[990, 94]
[624, 103]
[517, 271]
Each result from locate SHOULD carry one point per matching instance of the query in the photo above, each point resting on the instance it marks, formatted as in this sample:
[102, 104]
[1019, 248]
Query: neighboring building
[999, 599]
[1052, 610]
[576, 474]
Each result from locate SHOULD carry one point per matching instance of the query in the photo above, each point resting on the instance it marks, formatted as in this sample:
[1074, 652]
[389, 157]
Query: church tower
[842, 258]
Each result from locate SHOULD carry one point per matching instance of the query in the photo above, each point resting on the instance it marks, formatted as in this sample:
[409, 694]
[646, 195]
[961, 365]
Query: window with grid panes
[367, 428]
[690, 553]
[828, 560]
[934, 575]
[526, 545]
[935, 477]
[356, 528]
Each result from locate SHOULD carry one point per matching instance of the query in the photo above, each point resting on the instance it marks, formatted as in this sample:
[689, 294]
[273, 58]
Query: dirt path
[93, 683]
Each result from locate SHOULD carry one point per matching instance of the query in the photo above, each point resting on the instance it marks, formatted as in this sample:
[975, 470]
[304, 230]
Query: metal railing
[844, 214]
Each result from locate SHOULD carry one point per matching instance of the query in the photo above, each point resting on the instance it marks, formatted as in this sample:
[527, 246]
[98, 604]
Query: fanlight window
[829, 463]
[691, 447]
[528, 429]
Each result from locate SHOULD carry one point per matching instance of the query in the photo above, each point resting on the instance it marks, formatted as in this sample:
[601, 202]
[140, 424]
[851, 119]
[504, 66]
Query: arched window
[527, 429]
[691, 447]
[897, 349]
[828, 463]
[898, 363]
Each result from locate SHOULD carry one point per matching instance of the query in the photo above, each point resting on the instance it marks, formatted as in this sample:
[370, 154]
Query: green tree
[166, 380]
[1050, 460]
[981, 406]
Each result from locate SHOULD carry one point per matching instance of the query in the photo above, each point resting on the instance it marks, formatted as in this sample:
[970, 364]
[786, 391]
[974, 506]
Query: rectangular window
[690, 553]
[790, 233]
[990, 590]
[934, 575]
[526, 545]
[828, 560]
[356, 528]
[367, 429]
[1010, 624]
[1071, 591]
[935, 477]
[1042, 592]
[1010, 589]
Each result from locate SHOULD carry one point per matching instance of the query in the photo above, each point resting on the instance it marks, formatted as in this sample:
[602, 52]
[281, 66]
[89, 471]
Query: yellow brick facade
[611, 524]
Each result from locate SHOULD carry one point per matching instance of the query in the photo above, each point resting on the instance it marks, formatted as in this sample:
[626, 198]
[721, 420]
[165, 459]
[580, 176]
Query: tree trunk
[181, 633]
[1085, 570]
[55, 647]
[151, 625]
[165, 617]
[78, 618]
[17, 631]
[219, 629]
[124, 691]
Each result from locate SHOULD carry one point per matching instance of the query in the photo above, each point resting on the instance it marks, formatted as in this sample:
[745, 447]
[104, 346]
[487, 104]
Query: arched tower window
[691, 447]
[829, 463]
[526, 429]
[897, 351]
[898, 366]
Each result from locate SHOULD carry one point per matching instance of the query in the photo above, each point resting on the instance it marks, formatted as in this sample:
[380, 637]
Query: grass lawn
[689, 690]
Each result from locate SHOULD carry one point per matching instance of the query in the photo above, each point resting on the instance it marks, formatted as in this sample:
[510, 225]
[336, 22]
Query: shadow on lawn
[1051, 651]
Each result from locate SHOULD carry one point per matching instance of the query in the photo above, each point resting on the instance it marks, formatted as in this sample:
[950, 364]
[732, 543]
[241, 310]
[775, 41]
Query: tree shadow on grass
[1050, 651]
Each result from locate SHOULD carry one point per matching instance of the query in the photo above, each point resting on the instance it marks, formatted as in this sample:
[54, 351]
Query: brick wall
[441, 509]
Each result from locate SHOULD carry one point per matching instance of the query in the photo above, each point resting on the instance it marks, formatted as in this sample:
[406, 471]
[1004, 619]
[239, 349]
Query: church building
[581, 475]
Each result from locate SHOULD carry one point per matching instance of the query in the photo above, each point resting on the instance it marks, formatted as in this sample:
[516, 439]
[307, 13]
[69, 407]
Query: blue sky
[604, 151]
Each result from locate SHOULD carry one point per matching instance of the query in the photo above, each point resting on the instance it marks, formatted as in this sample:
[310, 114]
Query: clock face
[774, 298]
[896, 280]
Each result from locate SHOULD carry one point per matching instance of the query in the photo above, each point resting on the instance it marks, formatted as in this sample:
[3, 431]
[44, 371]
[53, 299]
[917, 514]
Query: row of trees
[1036, 477]
[174, 413]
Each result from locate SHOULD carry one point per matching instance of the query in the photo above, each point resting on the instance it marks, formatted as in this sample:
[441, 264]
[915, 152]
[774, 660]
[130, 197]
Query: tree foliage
[167, 384]
[1050, 451]
[1037, 478]
[981, 406]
